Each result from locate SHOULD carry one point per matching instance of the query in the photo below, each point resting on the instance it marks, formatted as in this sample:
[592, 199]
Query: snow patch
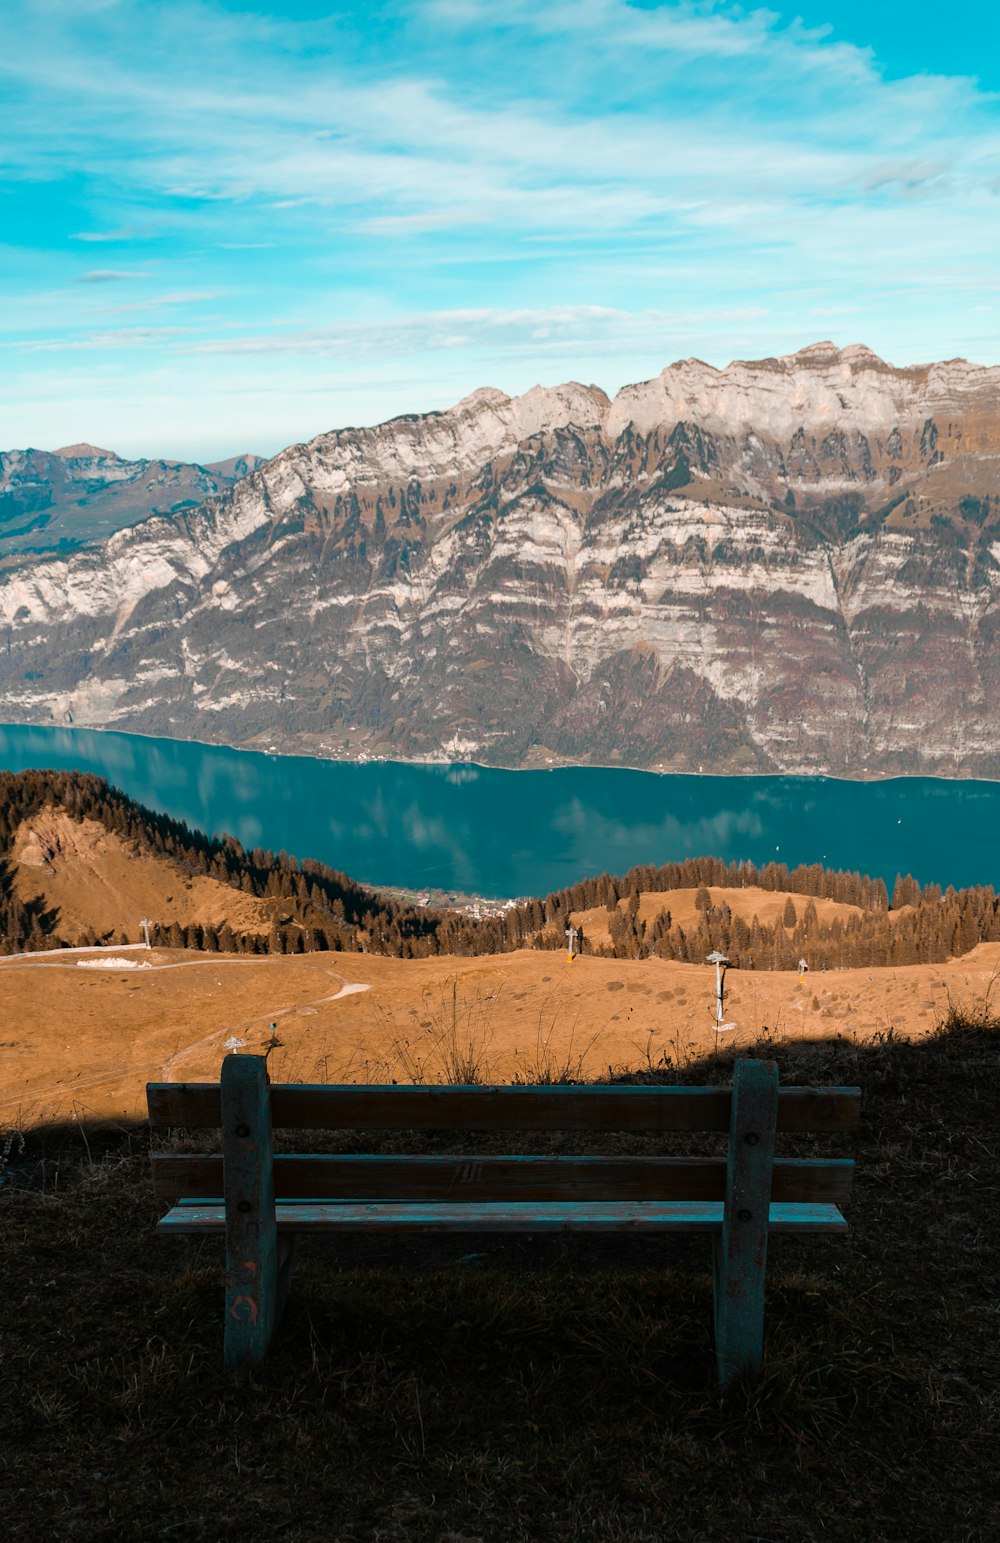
[114, 963]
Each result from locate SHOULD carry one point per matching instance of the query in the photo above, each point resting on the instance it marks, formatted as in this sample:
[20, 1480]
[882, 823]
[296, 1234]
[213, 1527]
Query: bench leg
[741, 1252]
[252, 1257]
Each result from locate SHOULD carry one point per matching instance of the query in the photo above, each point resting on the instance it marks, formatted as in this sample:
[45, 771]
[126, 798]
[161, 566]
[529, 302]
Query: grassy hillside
[522, 1391]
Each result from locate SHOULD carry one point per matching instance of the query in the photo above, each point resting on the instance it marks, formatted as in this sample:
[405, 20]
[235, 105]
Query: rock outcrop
[791, 565]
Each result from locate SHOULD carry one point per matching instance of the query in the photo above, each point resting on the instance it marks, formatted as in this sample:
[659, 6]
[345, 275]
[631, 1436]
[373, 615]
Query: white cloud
[564, 182]
[559, 328]
[291, 129]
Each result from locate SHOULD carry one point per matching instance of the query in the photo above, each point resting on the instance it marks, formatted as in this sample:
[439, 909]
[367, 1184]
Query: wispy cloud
[111, 339]
[110, 276]
[555, 331]
[128, 233]
[408, 175]
[155, 302]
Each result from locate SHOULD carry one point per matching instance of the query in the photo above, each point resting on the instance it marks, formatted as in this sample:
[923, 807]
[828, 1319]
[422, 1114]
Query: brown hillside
[101, 884]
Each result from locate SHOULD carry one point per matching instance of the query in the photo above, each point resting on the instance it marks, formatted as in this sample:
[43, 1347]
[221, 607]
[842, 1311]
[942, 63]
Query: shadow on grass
[540, 1389]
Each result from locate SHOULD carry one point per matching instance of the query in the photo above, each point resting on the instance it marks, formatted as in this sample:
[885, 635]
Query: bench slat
[349, 1106]
[542, 1216]
[506, 1178]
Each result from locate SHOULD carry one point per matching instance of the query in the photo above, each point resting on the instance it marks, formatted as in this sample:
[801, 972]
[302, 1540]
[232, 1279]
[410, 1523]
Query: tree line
[917, 925]
[929, 930]
[315, 907]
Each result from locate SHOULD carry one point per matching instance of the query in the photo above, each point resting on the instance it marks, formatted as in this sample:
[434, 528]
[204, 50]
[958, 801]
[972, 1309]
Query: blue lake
[502, 833]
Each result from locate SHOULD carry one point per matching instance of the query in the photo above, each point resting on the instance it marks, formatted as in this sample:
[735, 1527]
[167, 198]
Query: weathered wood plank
[542, 1216]
[251, 1232]
[435, 1177]
[741, 1248]
[302, 1106]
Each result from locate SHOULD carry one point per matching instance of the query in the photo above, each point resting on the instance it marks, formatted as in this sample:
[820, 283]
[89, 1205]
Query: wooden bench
[261, 1202]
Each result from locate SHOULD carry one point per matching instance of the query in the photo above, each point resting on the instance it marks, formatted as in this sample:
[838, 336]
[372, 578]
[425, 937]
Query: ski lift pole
[720, 961]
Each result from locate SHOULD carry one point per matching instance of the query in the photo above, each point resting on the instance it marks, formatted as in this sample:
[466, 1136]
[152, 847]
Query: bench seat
[201, 1216]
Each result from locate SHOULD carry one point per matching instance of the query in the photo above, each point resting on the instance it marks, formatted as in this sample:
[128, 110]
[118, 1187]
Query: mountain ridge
[790, 564]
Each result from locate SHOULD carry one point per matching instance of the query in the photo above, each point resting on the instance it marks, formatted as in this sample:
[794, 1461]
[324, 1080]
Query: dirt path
[272, 1015]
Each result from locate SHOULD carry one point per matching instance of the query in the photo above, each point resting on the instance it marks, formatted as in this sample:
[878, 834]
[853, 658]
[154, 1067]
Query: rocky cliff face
[59, 500]
[792, 564]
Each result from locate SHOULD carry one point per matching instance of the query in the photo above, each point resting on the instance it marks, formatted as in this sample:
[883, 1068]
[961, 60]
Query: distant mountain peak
[85, 452]
[863, 355]
[821, 349]
[483, 396]
[857, 355]
[236, 466]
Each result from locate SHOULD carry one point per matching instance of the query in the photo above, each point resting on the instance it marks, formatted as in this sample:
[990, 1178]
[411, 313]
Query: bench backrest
[357, 1106]
[253, 1104]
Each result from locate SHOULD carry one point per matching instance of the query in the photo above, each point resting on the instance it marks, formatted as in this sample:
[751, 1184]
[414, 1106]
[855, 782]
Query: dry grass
[85, 1042]
[461, 1035]
[510, 1391]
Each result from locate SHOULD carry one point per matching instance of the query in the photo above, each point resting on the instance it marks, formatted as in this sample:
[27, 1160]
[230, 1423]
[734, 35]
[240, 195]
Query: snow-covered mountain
[788, 564]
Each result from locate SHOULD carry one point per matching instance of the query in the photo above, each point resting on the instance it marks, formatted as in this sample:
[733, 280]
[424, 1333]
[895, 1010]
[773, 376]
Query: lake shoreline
[487, 766]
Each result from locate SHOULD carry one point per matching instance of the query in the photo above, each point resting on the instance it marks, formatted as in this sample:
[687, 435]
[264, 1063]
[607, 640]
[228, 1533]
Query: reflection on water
[516, 833]
[711, 833]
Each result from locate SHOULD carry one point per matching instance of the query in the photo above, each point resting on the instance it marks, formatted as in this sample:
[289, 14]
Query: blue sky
[230, 226]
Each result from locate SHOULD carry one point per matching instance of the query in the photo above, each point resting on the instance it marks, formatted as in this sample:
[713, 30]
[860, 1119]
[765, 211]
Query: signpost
[720, 961]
